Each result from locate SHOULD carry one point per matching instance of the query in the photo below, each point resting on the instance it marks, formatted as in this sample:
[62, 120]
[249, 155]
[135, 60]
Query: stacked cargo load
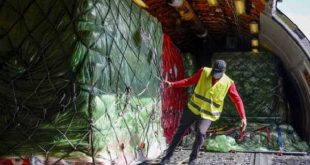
[79, 79]
[258, 80]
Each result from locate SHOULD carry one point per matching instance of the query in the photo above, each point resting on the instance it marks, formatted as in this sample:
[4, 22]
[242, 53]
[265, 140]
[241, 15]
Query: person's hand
[242, 130]
[167, 84]
[243, 124]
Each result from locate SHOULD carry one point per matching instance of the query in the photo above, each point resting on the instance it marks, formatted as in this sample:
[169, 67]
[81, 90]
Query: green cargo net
[79, 78]
[259, 82]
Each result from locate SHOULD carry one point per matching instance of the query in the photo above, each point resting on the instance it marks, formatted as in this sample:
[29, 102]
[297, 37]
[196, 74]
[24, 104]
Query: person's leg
[186, 120]
[201, 129]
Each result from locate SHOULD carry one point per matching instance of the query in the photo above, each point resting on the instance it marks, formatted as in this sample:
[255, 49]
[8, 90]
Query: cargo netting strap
[173, 99]
[79, 79]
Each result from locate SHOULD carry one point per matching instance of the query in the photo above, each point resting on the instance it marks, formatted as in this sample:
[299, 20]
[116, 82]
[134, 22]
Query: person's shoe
[164, 161]
[192, 162]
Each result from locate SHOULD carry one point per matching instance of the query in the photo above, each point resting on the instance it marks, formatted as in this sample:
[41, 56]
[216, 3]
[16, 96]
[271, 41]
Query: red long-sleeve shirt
[232, 91]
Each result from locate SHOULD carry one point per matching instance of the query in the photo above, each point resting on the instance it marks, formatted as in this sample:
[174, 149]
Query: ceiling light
[212, 2]
[240, 7]
[253, 27]
[254, 42]
[254, 50]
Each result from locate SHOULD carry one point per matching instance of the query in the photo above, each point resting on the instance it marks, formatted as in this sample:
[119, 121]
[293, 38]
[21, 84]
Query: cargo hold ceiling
[220, 20]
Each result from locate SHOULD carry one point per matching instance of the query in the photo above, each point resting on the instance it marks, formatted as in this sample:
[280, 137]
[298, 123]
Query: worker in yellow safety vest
[205, 105]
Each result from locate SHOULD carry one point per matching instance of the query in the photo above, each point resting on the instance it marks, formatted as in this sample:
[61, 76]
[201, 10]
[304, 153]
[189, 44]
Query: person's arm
[236, 99]
[187, 81]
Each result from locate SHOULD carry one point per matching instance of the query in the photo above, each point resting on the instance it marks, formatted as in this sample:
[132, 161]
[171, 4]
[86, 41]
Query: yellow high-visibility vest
[207, 100]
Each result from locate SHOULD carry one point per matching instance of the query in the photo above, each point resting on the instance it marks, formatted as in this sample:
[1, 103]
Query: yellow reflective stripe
[207, 100]
[217, 114]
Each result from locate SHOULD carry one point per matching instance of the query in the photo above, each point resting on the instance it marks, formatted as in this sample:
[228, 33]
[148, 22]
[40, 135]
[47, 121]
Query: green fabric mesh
[78, 76]
[258, 81]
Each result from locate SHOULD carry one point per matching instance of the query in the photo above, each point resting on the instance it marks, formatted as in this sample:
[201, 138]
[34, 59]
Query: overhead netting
[79, 79]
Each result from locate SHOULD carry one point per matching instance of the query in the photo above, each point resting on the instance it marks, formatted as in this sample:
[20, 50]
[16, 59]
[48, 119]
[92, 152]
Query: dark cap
[218, 69]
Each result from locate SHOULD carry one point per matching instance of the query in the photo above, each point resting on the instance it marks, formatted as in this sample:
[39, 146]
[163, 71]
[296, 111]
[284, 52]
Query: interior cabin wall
[281, 40]
[293, 102]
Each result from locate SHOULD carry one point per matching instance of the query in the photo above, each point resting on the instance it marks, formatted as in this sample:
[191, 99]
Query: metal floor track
[207, 158]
